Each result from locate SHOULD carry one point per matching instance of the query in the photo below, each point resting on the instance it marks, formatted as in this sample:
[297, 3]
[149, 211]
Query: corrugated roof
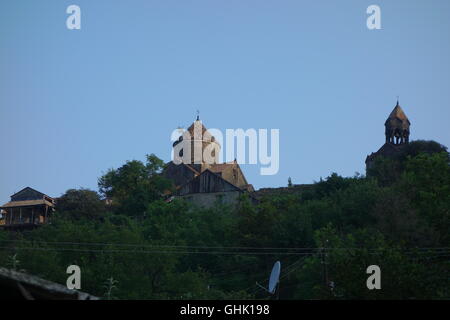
[25, 286]
[26, 203]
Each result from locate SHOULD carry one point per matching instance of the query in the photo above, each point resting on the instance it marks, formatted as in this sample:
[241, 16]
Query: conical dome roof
[198, 131]
[197, 124]
[398, 115]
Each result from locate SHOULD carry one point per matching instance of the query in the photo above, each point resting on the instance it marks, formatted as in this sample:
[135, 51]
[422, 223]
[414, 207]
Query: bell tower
[397, 127]
[200, 143]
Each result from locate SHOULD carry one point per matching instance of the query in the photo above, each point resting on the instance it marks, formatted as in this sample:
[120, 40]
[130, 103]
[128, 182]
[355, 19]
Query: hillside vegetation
[396, 217]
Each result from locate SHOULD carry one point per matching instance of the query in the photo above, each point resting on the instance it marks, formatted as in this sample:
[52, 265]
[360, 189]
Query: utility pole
[324, 266]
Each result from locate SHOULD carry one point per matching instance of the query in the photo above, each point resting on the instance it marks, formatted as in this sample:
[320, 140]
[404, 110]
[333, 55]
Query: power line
[444, 249]
[155, 251]
[162, 246]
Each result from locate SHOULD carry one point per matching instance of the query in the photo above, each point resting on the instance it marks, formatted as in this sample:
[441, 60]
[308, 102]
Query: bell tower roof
[398, 114]
[397, 126]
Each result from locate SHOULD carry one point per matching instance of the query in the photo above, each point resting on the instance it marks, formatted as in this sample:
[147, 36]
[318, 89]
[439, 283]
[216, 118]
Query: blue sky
[74, 103]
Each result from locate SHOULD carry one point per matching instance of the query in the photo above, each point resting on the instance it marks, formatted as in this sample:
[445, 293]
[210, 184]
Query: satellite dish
[274, 277]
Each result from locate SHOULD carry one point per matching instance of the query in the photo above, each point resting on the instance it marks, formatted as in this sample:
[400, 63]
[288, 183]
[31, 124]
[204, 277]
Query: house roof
[198, 178]
[225, 180]
[190, 168]
[219, 167]
[28, 188]
[26, 203]
[15, 284]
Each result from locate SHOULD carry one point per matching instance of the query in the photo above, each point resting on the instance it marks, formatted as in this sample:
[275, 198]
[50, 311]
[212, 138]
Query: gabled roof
[219, 167]
[226, 181]
[196, 186]
[190, 168]
[29, 189]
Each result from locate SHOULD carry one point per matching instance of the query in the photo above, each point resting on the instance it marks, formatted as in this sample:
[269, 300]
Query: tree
[416, 147]
[426, 183]
[327, 233]
[134, 185]
[81, 203]
[388, 170]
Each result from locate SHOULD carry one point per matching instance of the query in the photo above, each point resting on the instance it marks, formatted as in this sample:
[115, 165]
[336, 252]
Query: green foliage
[110, 285]
[347, 257]
[388, 170]
[142, 247]
[417, 147]
[81, 204]
[135, 184]
[13, 262]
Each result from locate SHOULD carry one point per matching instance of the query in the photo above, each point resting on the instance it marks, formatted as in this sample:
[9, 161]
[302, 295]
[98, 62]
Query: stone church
[204, 182]
[397, 136]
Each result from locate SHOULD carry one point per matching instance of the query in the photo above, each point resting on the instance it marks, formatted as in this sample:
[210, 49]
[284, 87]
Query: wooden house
[28, 208]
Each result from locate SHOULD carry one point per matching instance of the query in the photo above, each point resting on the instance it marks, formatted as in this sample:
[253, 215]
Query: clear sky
[74, 103]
